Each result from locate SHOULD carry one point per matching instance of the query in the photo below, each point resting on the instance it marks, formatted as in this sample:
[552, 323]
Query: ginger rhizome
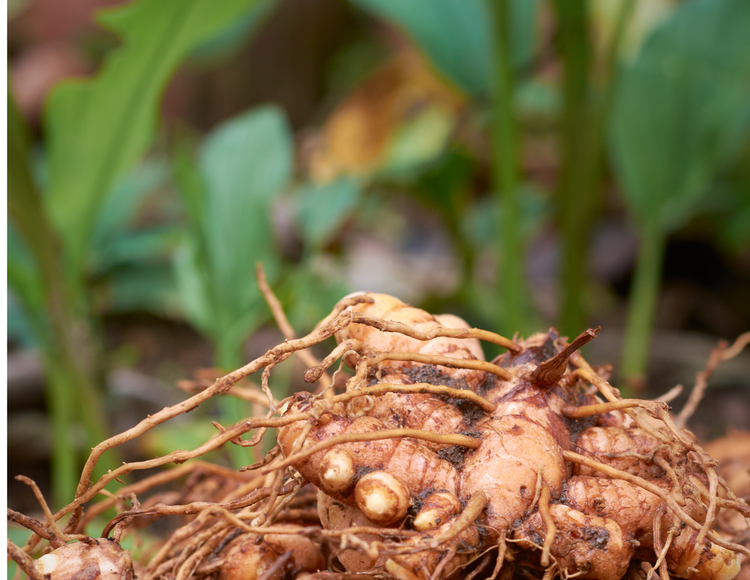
[429, 462]
[515, 474]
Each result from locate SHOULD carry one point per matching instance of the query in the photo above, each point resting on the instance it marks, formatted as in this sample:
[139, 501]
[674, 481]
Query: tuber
[514, 463]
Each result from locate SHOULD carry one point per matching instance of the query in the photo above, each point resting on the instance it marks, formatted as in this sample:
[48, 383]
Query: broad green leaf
[121, 205]
[142, 287]
[681, 109]
[323, 208]
[99, 127]
[136, 246]
[455, 34]
[190, 185]
[243, 164]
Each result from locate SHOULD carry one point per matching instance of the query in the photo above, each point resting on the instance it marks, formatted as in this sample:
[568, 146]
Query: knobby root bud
[337, 471]
[436, 509]
[248, 559]
[382, 497]
[104, 560]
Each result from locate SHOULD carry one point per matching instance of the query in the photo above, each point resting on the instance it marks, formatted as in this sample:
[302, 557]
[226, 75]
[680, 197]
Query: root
[24, 561]
[661, 551]
[548, 522]
[471, 512]
[382, 388]
[37, 527]
[721, 353]
[436, 359]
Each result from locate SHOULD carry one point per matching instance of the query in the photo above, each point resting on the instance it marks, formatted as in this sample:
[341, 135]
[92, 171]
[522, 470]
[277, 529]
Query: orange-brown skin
[521, 447]
[603, 442]
[588, 546]
[101, 559]
[335, 515]
[390, 308]
[514, 451]
[466, 543]
[247, 558]
[418, 467]
[306, 554]
[635, 509]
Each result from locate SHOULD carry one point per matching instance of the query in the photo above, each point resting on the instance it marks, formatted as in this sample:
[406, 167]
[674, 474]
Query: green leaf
[131, 248]
[23, 275]
[142, 287]
[121, 205]
[243, 164]
[417, 142]
[98, 128]
[681, 109]
[323, 208]
[309, 291]
[193, 286]
[455, 34]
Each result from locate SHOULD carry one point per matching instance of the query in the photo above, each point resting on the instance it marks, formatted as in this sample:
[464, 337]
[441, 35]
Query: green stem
[642, 309]
[573, 197]
[582, 143]
[63, 460]
[66, 338]
[505, 144]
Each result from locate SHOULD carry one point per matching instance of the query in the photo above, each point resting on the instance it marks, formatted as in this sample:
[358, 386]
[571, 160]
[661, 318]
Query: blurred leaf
[538, 101]
[237, 33]
[455, 34]
[19, 330]
[23, 276]
[736, 232]
[142, 287]
[323, 208]
[243, 164]
[120, 206]
[480, 221]
[135, 247]
[309, 292]
[193, 286]
[99, 127]
[418, 141]
[399, 117]
[645, 16]
[681, 109]
[190, 184]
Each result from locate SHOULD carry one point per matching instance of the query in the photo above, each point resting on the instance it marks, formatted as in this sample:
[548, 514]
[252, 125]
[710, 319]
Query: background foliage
[517, 162]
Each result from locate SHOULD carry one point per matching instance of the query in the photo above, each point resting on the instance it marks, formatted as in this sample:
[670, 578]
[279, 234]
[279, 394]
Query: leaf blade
[98, 128]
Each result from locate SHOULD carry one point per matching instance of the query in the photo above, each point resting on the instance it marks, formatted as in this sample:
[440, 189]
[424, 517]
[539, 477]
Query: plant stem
[642, 309]
[66, 339]
[582, 143]
[574, 196]
[505, 158]
[62, 414]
